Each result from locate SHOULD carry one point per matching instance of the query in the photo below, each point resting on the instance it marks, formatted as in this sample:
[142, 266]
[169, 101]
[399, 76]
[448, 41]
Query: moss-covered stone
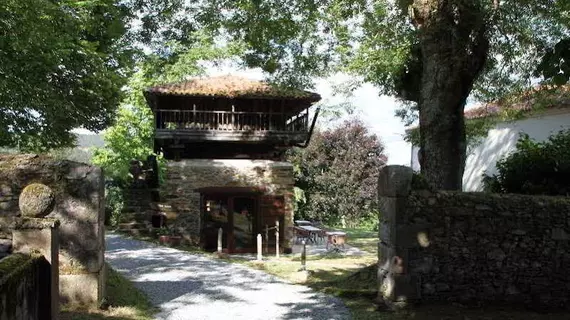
[36, 200]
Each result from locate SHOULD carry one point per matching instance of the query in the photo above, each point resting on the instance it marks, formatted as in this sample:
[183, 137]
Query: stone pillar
[397, 286]
[41, 235]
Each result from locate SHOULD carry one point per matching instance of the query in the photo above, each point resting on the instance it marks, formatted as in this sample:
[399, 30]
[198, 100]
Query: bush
[114, 204]
[337, 175]
[540, 168]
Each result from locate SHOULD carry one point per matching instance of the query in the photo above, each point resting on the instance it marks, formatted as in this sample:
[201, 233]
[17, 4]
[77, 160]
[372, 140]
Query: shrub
[541, 168]
[114, 204]
[337, 175]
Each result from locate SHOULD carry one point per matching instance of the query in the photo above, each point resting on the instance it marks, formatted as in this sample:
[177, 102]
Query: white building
[502, 138]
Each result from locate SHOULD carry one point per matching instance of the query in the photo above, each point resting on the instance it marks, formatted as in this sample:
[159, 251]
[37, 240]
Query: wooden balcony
[199, 125]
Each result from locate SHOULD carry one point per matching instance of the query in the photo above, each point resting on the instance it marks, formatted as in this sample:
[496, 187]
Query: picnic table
[313, 232]
[303, 223]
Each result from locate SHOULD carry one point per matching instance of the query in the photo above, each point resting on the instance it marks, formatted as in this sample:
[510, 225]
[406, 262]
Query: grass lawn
[125, 302]
[354, 280]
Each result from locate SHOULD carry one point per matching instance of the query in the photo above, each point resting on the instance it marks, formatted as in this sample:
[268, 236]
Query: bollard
[259, 247]
[266, 247]
[277, 239]
[304, 257]
[220, 232]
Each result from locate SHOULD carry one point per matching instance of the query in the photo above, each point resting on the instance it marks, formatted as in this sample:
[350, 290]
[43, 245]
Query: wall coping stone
[36, 223]
[395, 181]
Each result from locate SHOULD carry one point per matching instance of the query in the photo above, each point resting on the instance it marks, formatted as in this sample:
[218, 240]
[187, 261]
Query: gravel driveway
[192, 286]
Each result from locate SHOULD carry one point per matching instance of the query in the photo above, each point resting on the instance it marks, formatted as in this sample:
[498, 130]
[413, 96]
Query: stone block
[386, 233]
[413, 236]
[395, 181]
[560, 234]
[41, 235]
[81, 289]
[398, 291]
[385, 253]
[393, 209]
[36, 200]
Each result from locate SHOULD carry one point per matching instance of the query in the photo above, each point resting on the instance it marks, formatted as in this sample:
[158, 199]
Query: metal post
[277, 239]
[259, 247]
[304, 257]
[220, 231]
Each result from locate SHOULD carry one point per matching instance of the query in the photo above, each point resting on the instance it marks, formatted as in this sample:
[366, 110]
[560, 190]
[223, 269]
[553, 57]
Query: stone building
[224, 139]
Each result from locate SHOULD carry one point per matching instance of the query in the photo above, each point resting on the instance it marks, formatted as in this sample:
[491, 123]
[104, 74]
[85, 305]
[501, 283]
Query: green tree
[63, 63]
[132, 134]
[433, 54]
[60, 68]
[337, 174]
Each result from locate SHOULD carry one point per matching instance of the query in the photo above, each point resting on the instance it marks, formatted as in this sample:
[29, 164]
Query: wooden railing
[229, 121]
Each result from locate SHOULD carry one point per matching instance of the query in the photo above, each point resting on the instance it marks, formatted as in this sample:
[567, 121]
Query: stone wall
[33, 236]
[25, 287]
[472, 248]
[183, 177]
[80, 196]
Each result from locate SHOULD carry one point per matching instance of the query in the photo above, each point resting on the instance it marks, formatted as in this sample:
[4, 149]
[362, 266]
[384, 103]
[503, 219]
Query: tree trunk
[454, 48]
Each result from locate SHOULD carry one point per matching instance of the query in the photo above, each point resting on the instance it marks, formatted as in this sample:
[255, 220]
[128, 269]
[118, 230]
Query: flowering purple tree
[338, 173]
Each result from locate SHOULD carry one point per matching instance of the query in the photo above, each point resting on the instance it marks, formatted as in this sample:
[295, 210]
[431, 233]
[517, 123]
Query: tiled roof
[546, 97]
[231, 87]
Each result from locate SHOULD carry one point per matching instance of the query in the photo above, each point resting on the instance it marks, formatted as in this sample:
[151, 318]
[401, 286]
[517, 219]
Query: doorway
[237, 216]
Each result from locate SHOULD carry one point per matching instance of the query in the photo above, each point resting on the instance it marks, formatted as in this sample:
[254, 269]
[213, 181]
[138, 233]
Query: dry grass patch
[124, 302]
[354, 280]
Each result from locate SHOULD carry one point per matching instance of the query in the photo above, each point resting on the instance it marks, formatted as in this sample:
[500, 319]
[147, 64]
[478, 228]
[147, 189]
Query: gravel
[193, 286]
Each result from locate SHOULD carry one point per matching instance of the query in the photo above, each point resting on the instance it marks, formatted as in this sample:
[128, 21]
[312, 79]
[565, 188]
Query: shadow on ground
[181, 283]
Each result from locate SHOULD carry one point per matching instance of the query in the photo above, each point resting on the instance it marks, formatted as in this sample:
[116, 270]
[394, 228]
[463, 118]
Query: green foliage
[378, 41]
[476, 131]
[535, 167]
[369, 221]
[61, 68]
[336, 175]
[114, 204]
[130, 138]
[132, 135]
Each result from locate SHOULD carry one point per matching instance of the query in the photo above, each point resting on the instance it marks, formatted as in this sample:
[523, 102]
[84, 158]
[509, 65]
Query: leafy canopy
[63, 63]
[60, 68]
[336, 175]
[377, 41]
[132, 134]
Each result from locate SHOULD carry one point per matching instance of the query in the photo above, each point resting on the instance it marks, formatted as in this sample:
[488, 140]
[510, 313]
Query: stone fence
[79, 201]
[471, 248]
[29, 278]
